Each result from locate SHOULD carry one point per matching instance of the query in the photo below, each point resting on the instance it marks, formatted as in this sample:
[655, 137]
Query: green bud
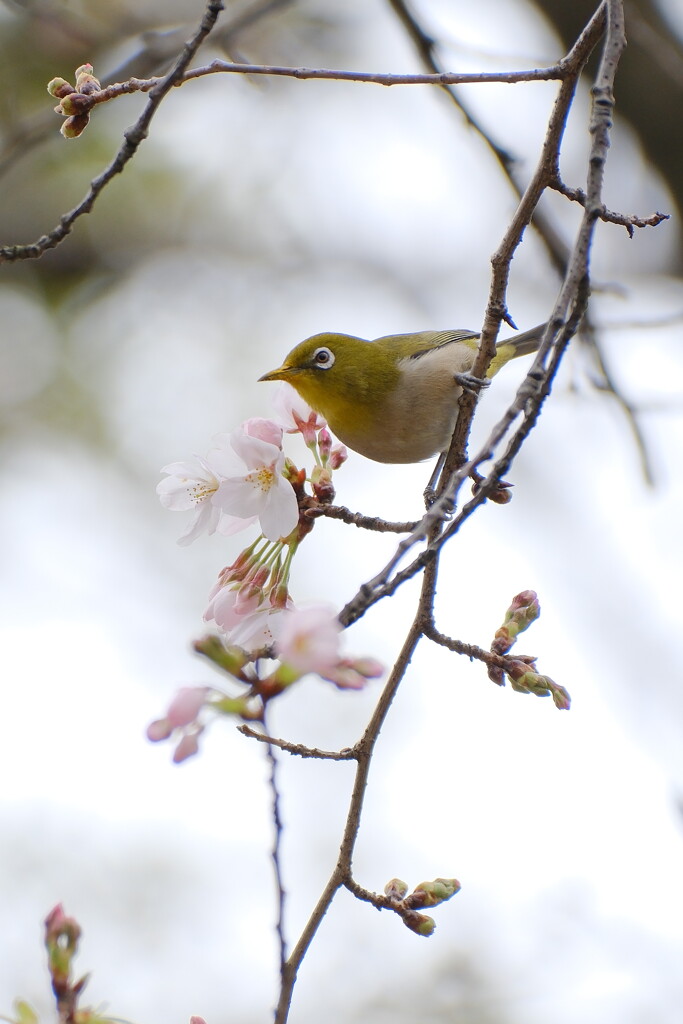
[75, 103]
[230, 659]
[430, 894]
[285, 674]
[59, 88]
[85, 80]
[396, 889]
[560, 696]
[232, 706]
[523, 610]
[419, 923]
[25, 1014]
[74, 126]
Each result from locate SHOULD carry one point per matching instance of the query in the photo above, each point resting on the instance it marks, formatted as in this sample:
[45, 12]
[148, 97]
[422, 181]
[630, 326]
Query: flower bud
[324, 444]
[85, 80]
[338, 456]
[231, 659]
[561, 698]
[396, 889]
[430, 894]
[61, 941]
[74, 126]
[74, 103]
[188, 746]
[59, 88]
[25, 1013]
[419, 923]
[321, 482]
[523, 610]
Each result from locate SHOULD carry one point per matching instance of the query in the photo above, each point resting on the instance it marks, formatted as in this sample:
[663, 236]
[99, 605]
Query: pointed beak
[282, 373]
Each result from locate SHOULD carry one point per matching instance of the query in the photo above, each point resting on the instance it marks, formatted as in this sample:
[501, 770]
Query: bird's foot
[469, 383]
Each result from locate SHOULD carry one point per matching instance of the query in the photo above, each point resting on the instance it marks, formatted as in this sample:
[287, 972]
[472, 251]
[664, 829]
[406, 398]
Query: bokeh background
[258, 212]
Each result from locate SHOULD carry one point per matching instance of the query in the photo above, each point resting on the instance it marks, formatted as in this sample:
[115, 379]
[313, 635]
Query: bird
[394, 399]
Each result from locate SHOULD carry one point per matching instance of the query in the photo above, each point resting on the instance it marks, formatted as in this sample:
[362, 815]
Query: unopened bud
[74, 126]
[501, 496]
[59, 88]
[85, 80]
[561, 698]
[338, 456]
[61, 941]
[75, 103]
[523, 610]
[279, 596]
[321, 482]
[231, 659]
[25, 1013]
[324, 444]
[396, 889]
[419, 923]
[430, 894]
[232, 706]
[496, 675]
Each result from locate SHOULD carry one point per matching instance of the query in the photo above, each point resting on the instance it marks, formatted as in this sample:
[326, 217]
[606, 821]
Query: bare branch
[348, 754]
[361, 521]
[133, 138]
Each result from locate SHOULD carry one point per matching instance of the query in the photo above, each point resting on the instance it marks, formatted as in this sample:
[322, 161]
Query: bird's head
[331, 371]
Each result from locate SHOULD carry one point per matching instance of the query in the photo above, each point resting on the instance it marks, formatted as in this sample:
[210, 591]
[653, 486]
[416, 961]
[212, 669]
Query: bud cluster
[426, 894]
[521, 670]
[75, 103]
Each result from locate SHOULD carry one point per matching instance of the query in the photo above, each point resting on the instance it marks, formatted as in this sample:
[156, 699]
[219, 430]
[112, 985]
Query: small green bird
[394, 399]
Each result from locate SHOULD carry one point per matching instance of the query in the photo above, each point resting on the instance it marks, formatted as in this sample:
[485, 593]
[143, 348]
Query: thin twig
[275, 853]
[357, 519]
[133, 138]
[348, 754]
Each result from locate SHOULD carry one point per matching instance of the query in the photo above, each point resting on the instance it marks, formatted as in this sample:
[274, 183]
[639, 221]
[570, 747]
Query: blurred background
[258, 212]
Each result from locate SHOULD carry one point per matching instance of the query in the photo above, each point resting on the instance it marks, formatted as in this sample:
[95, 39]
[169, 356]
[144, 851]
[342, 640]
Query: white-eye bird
[394, 399]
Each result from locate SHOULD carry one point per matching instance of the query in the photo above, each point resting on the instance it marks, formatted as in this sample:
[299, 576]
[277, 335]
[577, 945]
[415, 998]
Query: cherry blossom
[295, 414]
[309, 639]
[191, 485]
[262, 491]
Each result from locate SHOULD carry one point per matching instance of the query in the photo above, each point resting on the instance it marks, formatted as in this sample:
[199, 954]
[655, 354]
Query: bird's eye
[323, 358]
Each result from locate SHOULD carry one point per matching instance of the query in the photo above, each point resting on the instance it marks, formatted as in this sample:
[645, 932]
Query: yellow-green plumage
[394, 399]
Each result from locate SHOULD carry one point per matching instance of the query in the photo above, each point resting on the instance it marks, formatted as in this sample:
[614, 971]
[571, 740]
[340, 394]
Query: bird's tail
[518, 345]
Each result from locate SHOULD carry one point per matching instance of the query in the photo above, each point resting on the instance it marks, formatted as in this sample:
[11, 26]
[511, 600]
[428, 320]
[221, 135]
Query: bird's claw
[469, 383]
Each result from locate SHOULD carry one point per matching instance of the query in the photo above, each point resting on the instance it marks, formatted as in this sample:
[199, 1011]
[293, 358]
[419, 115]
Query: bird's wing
[430, 340]
[415, 345]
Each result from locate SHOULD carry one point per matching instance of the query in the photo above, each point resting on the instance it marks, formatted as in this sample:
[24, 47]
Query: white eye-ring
[323, 358]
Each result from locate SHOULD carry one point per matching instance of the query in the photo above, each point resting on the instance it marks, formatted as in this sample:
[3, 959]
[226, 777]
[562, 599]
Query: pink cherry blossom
[309, 639]
[262, 491]
[191, 485]
[265, 430]
[295, 414]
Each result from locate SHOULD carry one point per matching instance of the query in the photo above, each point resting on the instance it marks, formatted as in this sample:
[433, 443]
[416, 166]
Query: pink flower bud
[265, 430]
[338, 456]
[186, 705]
[161, 729]
[324, 444]
[188, 747]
